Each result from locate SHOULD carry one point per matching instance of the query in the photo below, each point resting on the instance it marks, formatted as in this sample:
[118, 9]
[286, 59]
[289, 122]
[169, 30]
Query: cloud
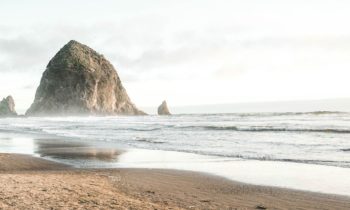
[29, 86]
[146, 47]
[21, 54]
[150, 45]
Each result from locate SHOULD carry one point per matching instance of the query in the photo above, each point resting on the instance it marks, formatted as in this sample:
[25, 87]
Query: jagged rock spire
[163, 109]
[7, 107]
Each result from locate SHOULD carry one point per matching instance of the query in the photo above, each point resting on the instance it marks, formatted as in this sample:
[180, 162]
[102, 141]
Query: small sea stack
[7, 107]
[163, 109]
[80, 81]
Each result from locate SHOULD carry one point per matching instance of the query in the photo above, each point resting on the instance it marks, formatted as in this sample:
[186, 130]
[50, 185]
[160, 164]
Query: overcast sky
[186, 51]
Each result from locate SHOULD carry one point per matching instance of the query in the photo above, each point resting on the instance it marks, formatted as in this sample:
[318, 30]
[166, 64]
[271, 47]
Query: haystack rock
[79, 81]
[163, 109]
[7, 107]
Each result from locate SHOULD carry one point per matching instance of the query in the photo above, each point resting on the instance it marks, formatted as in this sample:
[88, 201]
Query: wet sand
[34, 183]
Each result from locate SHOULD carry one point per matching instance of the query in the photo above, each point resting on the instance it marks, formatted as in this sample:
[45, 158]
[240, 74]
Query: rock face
[79, 81]
[163, 109]
[7, 107]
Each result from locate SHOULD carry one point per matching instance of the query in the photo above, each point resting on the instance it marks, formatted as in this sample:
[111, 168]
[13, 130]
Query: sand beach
[33, 183]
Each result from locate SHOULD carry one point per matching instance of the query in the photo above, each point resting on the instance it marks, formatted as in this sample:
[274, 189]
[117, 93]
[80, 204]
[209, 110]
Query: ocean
[321, 138]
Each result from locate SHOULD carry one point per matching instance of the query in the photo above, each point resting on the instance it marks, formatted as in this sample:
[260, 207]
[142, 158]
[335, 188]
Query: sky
[189, 52]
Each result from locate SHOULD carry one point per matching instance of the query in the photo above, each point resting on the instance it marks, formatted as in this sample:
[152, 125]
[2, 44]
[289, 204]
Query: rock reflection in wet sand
[66, 150]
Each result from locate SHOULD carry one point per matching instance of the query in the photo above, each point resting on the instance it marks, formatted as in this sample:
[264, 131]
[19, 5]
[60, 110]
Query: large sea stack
[7, 107]
[163, 109]
[79, 81]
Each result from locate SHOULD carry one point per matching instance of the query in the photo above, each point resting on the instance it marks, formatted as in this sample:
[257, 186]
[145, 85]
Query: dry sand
[33, 183]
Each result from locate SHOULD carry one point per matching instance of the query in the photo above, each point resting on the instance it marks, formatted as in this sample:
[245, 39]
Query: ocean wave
[343, 164]
[264, 157]
[136, 129]
[304, 113]
[152, 141]
[266, 129]
[269, 114]
[345, 150]
[23, 130]
[37, 130]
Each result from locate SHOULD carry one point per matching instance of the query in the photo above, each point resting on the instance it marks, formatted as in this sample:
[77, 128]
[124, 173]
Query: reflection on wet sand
[66, 150]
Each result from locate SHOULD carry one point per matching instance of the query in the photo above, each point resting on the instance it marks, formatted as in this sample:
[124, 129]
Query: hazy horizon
[327, 105]
[322, 105]
[189, 52]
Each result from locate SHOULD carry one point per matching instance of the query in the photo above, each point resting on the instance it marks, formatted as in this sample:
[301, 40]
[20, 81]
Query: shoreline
[43, 184]
[95, 154]
[81, 154]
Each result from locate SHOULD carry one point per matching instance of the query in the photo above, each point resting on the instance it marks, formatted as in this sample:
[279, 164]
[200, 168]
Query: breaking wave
[269, 129]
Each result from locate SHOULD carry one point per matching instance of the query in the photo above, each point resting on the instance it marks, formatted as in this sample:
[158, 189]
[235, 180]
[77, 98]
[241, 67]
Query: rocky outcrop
[163, 109]
[7, 107]
[79, 81]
